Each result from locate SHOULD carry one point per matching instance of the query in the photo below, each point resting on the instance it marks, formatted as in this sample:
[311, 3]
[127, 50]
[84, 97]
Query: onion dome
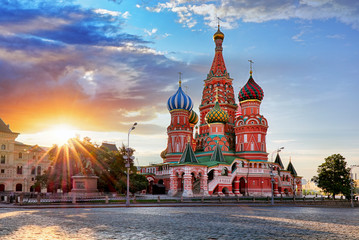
[180, 100]
[217, 114]
[193, 118]
[250, 91]
[218, 35]
[163, 153]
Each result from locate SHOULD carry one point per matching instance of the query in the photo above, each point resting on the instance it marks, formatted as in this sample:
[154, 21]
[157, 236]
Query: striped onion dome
[250, 91]
[193, 118]
[217, 114]
[180, 100]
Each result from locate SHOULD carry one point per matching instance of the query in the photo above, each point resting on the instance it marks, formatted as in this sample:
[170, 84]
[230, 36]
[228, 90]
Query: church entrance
[242, 186]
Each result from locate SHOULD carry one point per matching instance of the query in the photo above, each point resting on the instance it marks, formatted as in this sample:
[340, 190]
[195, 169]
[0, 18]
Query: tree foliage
[334, 176]
[109, 166]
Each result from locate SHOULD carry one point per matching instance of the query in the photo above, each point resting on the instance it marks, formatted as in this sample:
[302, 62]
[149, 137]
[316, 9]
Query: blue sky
[98, 66]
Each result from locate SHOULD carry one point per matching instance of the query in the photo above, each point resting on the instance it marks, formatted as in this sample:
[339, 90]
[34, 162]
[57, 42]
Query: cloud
[82, 69]
[232, 11]
[150, 32]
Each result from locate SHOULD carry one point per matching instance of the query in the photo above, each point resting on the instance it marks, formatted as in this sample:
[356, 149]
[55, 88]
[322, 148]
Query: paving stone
[180, 223]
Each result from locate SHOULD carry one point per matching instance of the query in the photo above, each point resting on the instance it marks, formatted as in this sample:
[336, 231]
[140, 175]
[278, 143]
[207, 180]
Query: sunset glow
[61, 133]
[94, 68]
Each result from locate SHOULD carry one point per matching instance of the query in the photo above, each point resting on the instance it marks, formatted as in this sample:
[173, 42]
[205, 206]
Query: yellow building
[19, 163]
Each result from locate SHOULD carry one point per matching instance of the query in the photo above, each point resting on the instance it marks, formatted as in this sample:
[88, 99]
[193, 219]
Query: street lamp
[128, 158]
[272, 182]
[352, 185]
[277, 151]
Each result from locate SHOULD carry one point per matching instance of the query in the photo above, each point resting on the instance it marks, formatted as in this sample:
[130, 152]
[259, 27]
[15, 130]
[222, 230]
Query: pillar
[204, 185]
[173, 185]
[236, 185]
[187, 188]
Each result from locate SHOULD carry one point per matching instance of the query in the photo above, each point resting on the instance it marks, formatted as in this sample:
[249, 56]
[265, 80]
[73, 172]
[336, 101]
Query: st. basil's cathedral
[226, 153]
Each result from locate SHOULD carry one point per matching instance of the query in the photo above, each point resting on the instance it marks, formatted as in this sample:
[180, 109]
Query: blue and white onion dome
[179, 101]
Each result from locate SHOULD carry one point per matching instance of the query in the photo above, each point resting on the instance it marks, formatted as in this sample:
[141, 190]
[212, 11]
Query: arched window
[38, 170]
[3, 147]
[20, 154]
[2, 187]
[18, 187]
[224, 172]
[19, 170]
[3, 159]
[33, 170]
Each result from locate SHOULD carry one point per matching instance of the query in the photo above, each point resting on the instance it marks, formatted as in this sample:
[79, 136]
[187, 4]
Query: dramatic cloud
[61, 63]
[230, 11]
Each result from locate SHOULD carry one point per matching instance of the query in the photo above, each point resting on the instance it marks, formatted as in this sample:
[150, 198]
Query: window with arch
[224, 172]
[19, 170]
[38, 170]
[2, 159]
[33, 170]
[18, 187]
[20, 154]
[3, 147]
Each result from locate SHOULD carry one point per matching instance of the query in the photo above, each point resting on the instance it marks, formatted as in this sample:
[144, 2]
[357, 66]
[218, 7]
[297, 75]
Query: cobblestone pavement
[180, 223]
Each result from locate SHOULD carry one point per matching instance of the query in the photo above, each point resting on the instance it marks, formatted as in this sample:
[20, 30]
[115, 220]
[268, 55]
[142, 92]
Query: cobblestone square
[235, 222]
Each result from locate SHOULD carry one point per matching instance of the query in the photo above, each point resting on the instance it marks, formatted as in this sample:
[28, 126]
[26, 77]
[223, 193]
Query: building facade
[226, 153]
[19, 163]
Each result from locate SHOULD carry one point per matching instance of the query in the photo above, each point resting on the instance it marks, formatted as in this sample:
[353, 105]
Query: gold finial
[216, 94]
[218, 19]
[250, 64]
[180, 80]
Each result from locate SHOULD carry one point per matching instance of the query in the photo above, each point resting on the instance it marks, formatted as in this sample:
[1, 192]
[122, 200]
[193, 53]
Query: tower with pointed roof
[217, 78]
[251, 126]
[180, 130]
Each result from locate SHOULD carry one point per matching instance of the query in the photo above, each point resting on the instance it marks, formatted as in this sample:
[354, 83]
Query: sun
[61, 133]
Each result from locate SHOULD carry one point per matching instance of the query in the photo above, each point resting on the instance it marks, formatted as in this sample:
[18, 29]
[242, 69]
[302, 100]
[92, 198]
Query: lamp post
[352, 185]
[277, 151]
[272, 182]
[128, 158]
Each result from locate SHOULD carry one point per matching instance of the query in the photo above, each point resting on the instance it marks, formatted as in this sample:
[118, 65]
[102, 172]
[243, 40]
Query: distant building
[226, 155]
[19, 163]
[109, 146]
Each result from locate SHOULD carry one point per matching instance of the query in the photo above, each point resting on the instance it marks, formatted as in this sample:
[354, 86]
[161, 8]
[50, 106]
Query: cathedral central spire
[218, 68]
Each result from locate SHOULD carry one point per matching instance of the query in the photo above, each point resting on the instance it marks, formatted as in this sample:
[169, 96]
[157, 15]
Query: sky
[94, 67]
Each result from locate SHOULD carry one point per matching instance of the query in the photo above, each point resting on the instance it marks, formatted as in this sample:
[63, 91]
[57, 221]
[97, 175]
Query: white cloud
[336, 36]
[151, 32]
[297, 37]
[105, 11]
[231, 11]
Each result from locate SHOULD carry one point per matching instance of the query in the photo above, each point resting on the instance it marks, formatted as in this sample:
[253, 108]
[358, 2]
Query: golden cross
[250, 64]
[218, 19]
[180, 75]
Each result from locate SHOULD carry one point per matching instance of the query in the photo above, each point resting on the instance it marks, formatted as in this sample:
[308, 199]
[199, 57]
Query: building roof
[217, 154]
[4, 128]
[279, 161]
[109, 146]
[291, 169]
[188, 155]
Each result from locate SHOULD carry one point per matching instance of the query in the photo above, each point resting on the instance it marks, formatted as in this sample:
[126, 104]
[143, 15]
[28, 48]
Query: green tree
[334, 176]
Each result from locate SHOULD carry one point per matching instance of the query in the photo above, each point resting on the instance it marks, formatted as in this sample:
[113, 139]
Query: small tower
[179, 131]
[216, 120]
[251, 127]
